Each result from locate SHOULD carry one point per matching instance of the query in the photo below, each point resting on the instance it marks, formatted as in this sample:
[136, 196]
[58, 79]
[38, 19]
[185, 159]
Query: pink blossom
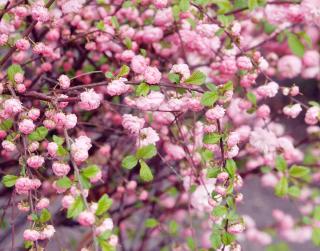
[47, 232]
[312, 115]
[80, 148]
[26, 126]
[263, 111]
[289, 66]
[64, 81]
[35, 161]
[132, 123]
[118, 87]
[52, 149]
[8, 146]
[86, 218]
[42, 203]
[138, 64]
[3, 39]
[269, 90]
[294, 91]
[18, 78]
[182, 70]
[151, 102]
[174, 152]
[71, 121]
[113, 240]
[152, 75]
[60, 169]
[34, 113]
[311, 58]
[97, 177]
[90, 100]
[244, 63]
[292, 111]
[12, 106]
[147, 136]
[310, 8]
[72, 6]
[31, 235]
[23, 185]
[263, 140]
[160, 3]
[22, 44]
[215, 113]
[152, 34]
[67, 201]
[233, 139]
[39, 12]
[236, 228]
[33, 146]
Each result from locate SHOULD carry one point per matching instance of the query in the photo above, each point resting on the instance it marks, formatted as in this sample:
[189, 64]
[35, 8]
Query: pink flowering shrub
[140, 125]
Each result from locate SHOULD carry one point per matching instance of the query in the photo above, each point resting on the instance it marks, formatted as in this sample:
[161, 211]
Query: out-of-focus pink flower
[289, 66]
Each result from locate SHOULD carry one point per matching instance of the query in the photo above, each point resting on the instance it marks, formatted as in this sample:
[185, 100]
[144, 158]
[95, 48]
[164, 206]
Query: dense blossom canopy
[139, 123]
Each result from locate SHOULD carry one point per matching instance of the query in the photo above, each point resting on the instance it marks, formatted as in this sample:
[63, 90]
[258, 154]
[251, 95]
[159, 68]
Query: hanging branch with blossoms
[135, 125]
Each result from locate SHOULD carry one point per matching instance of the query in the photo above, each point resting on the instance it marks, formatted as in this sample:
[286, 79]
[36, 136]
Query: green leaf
[6, 124]
[62, 151]
[105, 246]
[64, 182]
[13, 70]
[151, 223]
[281, 164]
[45, 215]
[108, 74]
[197, 78]
[85, 182]
[298, 171]
[176, 12]
[209, 98]
[184, 5]
[294, 191]
[114, 22]
[252, 4]
[281, 188]
[173, 227]
[215, 239]
[9, 180]
[252, 98]
[124, 70]
[278, 247]
[142, 89]
[145, 172]
[90, 171]
[224, 6]
[39, 134]
[128, 43]
[100, 26]
[225, 20]
[213, 172]
[219, 211]
[146, 152]
[231, 167]
[316, 236]
[211, 138]
[227, 238]
[58, 140]
[76, 208]
[295, 45]
[174, 78]
[129, 162]
[316, 213]
[191, 243]
[104, 204]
